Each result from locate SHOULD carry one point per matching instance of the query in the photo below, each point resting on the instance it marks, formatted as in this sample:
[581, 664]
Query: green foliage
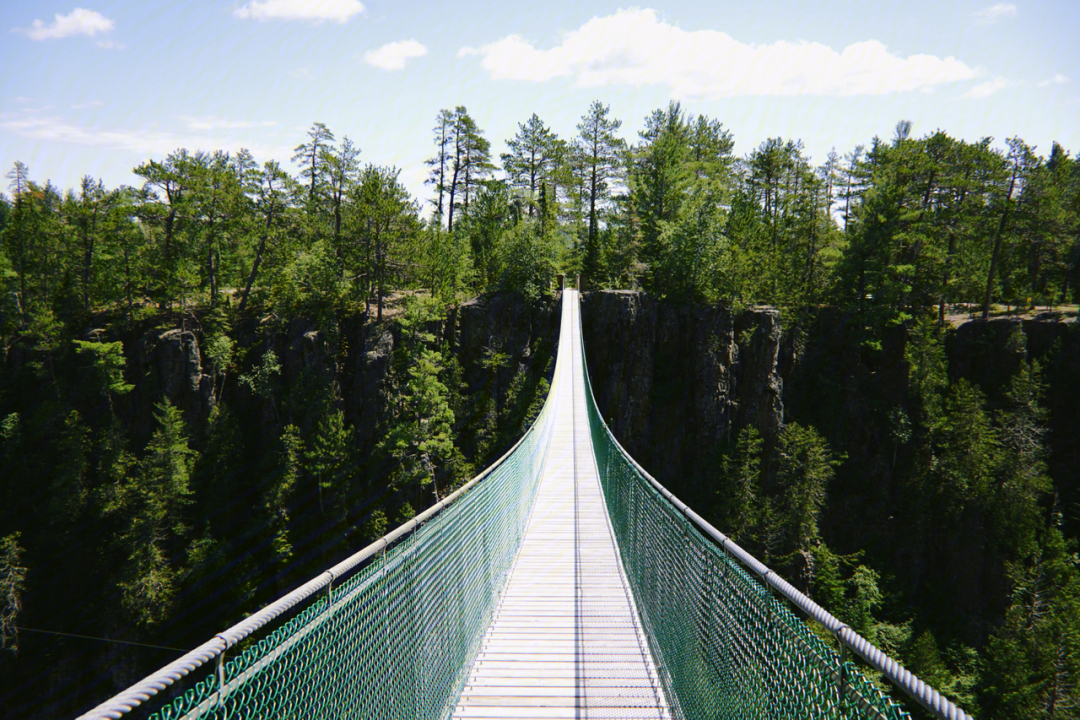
[107, 360]
[1032, 661]
[152, 505]
[740, 485]
[966, 454]
[329, 458]
[490, 216]
[260, 380]
[12, 587]
[866, 597]
[10, 429]
[405, 514]
[528, 259]
[221, 351]
[277, 497]
[420, 440]
[829, 586]
[927, 377]
[805, 467]
[1023, 479]
[375, 526]
[68, 487]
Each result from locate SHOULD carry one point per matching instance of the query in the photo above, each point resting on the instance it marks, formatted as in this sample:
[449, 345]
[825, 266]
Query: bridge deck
[565, 641]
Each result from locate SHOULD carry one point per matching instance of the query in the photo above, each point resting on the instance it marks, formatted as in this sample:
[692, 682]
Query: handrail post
[220, 678]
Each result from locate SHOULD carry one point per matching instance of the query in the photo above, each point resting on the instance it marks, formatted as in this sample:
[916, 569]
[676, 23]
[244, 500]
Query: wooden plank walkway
[565, 640]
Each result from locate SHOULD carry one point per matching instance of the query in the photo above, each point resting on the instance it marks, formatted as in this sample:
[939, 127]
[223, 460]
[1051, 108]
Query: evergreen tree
[1024, 481]
[528, 163]
[528, 259]
[385, 220]
[311, 156]
[342, 170]
[1032, 662]
[328, 459]
[740, 488]
[440, 164]
[420, 440]
[153, 505]
[278, 495]
[12, 587]
[966, 453]
[804, 468]
[658, 178]
[601, 152]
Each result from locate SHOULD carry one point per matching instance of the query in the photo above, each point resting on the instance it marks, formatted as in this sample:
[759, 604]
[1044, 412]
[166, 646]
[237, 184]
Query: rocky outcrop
[501, 323]
[677, 382]
[168, 365]
[983, 353]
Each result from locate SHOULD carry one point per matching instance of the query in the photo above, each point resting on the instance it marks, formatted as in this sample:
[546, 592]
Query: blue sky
[98, 86]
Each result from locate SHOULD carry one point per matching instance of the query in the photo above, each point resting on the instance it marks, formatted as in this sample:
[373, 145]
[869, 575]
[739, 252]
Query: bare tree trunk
[255, 265]
[997, 239]
[994, 259]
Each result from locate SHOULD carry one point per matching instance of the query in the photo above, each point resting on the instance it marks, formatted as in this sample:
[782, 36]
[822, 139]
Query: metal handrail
[934, 702]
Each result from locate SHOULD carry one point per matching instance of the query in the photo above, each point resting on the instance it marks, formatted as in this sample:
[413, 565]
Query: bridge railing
[389, 633]
[720, 623]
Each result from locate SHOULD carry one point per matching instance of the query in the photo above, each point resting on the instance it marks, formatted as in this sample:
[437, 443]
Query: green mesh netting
[725, 645]
[397, 638]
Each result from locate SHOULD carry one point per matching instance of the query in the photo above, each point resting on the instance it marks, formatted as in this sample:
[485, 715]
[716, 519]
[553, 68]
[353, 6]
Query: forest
[221, 379]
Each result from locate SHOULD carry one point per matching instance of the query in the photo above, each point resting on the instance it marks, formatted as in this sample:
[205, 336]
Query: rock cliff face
[501, 323]
[983, 353]
[171, 361]
[676, 382]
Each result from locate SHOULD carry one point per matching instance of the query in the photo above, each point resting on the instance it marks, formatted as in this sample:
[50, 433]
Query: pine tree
[276, 499]
[528, 163]
[342, 170]
[12, 587]
[311, 156]
[601, 153]
[805, 467]
[440, 164]
[328, 459]
[740, 488]
[966, 451]
[154, 505]
[1024, 479]
[1032, 661]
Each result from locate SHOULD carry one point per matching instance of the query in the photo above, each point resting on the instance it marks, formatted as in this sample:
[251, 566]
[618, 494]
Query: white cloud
[392, 56]
[146, 142]
[632, 47]
[990, 15]
[988, 88]
[340, 11]
[85, 105]
[1058, 79]
[78, 22]
[216, 123]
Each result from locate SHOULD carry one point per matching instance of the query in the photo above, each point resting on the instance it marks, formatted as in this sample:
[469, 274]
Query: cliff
[678, 382]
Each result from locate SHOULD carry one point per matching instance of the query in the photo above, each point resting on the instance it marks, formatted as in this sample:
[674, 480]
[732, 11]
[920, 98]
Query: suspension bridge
[562, 582]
